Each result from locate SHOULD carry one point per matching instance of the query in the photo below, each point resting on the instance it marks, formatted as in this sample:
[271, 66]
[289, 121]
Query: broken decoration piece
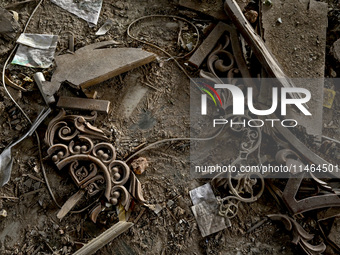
[35, 50]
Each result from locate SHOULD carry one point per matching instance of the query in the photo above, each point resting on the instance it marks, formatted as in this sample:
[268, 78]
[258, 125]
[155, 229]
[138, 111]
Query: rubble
[105, 27]
[39, 80]
[329, 96]
[251, 16]
[90, 183]
[3, 213]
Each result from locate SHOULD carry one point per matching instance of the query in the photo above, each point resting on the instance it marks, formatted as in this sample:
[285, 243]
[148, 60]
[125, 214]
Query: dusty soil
[32, 227]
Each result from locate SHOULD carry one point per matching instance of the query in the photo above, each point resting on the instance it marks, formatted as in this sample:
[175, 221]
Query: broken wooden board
[77, 103]
[299, 43]
[208, 44]
[106, 237]
[95, 63]
[212, 8]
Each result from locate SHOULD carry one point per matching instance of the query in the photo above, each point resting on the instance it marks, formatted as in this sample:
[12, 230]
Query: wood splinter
[104, 238]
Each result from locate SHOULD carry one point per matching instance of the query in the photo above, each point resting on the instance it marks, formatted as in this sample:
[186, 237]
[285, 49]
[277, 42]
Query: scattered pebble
[251, 16]
[139, 165]
[170, 203]
[268, 3]
[3, 213]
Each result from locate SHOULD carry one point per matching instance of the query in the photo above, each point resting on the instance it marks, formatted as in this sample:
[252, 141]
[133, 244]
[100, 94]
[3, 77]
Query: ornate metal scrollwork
[243, 190]
[81, 149]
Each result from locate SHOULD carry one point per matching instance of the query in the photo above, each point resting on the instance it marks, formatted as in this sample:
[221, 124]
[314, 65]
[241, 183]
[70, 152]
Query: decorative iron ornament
[243, 191]
[300, 236]
[81, 149]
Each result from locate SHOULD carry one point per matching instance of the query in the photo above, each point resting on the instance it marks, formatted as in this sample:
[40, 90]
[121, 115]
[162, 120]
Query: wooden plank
[94, 64]
[103, 239]
[77, 103]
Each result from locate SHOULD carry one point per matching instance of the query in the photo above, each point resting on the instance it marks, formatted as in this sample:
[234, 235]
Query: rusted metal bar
[103, 239]
[83, 104]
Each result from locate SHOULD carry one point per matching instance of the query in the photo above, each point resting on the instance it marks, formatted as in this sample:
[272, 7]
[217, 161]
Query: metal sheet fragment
[87, 10]
[205, 210]
[35, 50]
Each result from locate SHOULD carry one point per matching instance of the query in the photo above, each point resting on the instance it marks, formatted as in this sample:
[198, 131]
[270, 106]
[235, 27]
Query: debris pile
[114, 108]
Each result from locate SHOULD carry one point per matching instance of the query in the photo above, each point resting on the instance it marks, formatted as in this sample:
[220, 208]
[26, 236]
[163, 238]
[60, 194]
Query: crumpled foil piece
[88, 10]
[35, 50]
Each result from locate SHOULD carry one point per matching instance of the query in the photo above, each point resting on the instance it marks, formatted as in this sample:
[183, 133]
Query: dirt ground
[31, 226]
